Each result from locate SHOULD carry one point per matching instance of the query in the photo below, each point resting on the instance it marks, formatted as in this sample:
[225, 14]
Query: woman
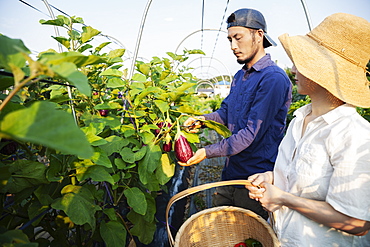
[319, 190]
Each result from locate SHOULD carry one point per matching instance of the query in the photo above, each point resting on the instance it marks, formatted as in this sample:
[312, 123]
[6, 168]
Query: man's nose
[233, 45]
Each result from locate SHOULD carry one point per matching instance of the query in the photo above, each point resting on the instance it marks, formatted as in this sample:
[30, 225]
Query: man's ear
[260, 35]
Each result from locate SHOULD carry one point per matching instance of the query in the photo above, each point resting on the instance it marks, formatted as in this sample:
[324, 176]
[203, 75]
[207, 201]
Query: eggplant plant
[91, 179]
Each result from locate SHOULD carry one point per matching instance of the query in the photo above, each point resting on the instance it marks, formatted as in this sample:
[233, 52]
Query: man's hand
[193, 124]
[199, 156]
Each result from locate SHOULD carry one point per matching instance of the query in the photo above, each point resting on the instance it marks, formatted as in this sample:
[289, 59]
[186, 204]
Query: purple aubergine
[103, 113]
[183, 150]
[167, 147]
[160, 126]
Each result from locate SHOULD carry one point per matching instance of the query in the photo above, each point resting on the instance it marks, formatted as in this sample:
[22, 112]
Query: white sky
[169, 22]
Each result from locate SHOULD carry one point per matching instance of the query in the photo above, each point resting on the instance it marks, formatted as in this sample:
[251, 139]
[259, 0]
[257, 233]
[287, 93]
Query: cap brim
[267, 41]
[340, 77]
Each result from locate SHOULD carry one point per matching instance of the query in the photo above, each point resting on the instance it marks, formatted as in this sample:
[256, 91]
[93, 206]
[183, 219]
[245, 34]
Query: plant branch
[16, 90]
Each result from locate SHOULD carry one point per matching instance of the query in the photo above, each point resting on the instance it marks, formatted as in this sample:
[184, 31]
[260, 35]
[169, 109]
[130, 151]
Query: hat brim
[340, 77]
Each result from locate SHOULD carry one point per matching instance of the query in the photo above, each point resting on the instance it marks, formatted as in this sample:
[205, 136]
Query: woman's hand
[263, 191]
[256, 190]
[273, 197]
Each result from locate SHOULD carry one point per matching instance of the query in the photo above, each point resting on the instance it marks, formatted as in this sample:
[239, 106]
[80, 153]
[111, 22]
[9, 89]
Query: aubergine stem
[157, 139]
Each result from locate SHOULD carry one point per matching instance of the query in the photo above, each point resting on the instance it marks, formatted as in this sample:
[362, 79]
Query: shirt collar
[331, 116]
[260, 64]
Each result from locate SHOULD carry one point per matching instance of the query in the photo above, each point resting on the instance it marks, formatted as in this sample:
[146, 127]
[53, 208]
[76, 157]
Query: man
[254, 111]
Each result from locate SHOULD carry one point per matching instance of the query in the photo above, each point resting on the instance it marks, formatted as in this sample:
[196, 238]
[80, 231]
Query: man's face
[243, 43]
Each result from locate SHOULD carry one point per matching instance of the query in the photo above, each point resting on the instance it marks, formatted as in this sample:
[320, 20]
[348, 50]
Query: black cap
[253, 19]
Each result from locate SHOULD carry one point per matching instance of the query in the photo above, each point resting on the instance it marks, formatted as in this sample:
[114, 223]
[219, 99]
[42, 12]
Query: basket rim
[230, 209]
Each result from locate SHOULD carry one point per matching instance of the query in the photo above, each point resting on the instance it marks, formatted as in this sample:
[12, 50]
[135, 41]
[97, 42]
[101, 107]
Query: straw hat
[335, 55]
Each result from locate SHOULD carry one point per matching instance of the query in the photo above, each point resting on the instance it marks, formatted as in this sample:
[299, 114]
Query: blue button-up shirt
[255, 112]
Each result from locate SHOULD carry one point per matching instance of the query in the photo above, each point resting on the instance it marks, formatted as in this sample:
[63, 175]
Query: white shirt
[330, 162]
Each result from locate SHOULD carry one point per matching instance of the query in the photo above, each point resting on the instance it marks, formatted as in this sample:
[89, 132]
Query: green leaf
[219, 128]
[43, 193]
[182, 89]
[84, 47]
[101, 46]
[95, 140]
[136, 200]
[162, 105]
[25, 174]
[128, 130]
[140, 153]
[151, 209]
[116, 53]
[150, 162]
[15, 238]
[188, 110]
[69, 72]
[114, 145]
[148, 127]
[10, 107]
[144, 68]
[34, 210]
[54, 171]
[4, 176]
[113, 233]
[64, 41]
[192, 138]
[148, 137]
[111, 213]
[74, 57]
[127, 155]
[166, 170]
[92, 132]
[195, 51]
[139, 78]
[6, 82]
[169, 79]
[115, 82]
[78, 203]
[174, 56]
[44, 125]
[112, 72]
[88, 33]
[108, 105]
[60, 21]
[144, 93]
[153, 184]
[77, 20]
[96, 173]
[120, 163]
[142, 229]
[11, 52]
[100, 157]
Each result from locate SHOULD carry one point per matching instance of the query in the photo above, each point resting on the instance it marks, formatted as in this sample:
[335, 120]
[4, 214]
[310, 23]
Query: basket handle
[196, 189]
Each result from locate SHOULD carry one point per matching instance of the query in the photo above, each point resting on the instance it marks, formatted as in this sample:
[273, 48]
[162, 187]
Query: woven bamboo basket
[220, 226]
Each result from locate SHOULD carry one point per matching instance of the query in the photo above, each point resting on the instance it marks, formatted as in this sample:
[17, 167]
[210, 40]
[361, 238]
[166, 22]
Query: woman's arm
[319, 211]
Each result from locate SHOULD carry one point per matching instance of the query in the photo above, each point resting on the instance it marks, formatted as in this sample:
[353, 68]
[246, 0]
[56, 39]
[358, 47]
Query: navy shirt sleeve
[270, 96]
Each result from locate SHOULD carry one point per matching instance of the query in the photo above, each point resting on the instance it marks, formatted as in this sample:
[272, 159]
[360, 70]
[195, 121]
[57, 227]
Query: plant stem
[15, 90]
[124, 223]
